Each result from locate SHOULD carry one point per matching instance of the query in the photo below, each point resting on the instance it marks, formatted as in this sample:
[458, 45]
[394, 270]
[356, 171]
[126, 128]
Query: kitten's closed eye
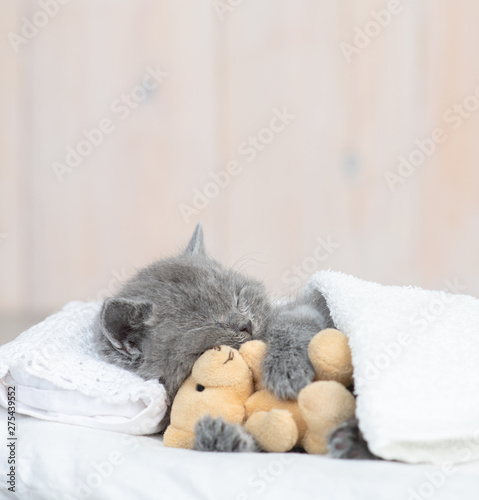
[242, 303]
[200, 388]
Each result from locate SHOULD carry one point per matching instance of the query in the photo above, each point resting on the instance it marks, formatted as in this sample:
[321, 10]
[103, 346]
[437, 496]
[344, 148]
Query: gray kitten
[172, 311]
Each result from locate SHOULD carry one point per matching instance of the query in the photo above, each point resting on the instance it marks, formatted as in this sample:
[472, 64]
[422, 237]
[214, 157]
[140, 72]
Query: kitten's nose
[247, 327]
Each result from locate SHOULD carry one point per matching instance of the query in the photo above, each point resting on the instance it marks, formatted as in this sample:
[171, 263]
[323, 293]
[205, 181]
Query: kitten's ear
[123, 324]
[196, 246]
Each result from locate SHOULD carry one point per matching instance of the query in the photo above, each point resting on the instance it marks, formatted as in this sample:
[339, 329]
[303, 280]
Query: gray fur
[347, 441]
[172, 311]
[217, 435]
[286, 368]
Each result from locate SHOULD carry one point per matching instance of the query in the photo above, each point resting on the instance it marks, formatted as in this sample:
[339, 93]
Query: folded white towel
[416, 366]
[58, 376]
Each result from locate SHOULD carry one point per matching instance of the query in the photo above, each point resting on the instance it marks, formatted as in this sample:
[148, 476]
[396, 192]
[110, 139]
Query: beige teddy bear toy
[227, 383]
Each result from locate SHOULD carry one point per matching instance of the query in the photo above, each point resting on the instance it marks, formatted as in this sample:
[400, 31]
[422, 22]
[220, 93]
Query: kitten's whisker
[293, 294]
[243, 257]
[203, 327]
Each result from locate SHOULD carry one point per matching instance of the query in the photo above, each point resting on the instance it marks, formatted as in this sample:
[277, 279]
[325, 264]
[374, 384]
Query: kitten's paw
[285, 375]
[215, 434]
[346, 441]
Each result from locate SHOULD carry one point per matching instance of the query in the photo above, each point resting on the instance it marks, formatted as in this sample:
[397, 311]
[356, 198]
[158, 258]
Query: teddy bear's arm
[178, 438]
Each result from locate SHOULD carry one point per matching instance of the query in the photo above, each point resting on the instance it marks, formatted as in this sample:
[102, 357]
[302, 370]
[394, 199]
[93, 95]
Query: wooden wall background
[323, 176]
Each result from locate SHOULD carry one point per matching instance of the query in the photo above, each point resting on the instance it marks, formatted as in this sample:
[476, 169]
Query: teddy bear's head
[219, 385]
[222, 367]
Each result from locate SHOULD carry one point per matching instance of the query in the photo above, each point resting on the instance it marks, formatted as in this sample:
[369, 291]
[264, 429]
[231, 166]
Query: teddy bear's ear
[253, 352]
[221, 367]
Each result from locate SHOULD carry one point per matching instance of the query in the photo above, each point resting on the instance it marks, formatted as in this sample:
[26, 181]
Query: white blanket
[58, 376]
[66, 462]
[416, 366]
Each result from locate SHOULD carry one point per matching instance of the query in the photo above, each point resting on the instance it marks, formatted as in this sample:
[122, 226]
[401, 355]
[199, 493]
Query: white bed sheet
[58, 461]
